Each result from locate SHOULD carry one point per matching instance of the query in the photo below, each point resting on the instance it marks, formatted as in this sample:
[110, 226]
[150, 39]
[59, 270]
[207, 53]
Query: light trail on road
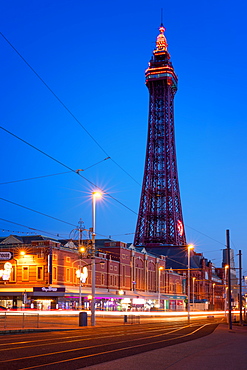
[84, 347]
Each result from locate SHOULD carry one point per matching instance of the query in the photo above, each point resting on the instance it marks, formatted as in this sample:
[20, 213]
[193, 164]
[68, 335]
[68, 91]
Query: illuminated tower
[160, 220]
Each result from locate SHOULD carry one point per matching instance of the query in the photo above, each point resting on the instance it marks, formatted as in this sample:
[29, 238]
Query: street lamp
[95, 195]
[160, 269]
[190, 246]
[193, 291]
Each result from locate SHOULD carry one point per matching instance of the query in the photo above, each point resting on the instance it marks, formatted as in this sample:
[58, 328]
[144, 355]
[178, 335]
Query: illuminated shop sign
[138, 301]
[6, 272]
[6, 255]
[48, 289]
[82, 275]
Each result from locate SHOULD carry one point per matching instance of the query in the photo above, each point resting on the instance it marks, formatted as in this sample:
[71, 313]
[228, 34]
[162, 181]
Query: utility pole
[240, 288]
[229, 281]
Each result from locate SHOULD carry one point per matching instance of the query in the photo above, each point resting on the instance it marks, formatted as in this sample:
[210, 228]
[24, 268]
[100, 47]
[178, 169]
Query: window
[123, 276]
[68, 259]
[25, 273]
[54, 257]
[13, 274]
[75, 278]
[40, 253]
[67, 274]
[54, 273]
[102, 279]
[40, 273]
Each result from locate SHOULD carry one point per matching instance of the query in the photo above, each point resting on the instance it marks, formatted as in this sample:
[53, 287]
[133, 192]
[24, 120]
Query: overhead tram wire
[33, 210]
[90, 135]
[53, 174]
[30, 228]
[69, 168]
[66, 108]
[78, 173]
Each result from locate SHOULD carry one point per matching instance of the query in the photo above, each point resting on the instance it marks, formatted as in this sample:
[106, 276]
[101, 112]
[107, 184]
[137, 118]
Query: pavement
[223, 349]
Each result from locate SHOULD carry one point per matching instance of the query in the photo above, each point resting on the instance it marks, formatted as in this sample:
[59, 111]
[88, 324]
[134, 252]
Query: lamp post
[225, 302]
[160, 269]
[193, 291]
[190, 246]
[81, 250]
[213, 295]
[95, 195]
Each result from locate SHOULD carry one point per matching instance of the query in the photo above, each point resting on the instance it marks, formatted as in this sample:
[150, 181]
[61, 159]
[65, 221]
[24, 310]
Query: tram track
[67, 352]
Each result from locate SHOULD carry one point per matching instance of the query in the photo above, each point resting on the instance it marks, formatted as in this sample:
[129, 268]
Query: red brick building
[40, 272]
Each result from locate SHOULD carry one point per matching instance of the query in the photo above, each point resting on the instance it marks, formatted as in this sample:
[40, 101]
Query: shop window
[25, 273]
[40, 273]
[54, 272]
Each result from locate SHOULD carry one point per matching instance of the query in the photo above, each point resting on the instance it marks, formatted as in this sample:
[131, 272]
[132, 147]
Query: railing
[19, 320]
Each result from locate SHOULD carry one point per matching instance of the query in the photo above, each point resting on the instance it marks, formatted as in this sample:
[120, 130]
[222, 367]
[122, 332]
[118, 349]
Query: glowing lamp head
[89, 297]
[97, 194]
[161, 268]
[190, 246]
[82, 249]
[22, 253]
[226, 266]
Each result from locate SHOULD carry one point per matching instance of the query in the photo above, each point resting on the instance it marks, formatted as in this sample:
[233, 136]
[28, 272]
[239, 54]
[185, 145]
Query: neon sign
[6, 272]
[180, 228]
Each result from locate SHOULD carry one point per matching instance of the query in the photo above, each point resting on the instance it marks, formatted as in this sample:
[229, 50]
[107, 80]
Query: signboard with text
[6, 256]
[48, 289]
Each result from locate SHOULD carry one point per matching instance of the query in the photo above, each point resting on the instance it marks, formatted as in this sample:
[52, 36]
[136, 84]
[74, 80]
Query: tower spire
[161, 43]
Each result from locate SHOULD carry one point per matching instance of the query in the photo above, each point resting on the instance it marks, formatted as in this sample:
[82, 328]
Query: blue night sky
[93, 55]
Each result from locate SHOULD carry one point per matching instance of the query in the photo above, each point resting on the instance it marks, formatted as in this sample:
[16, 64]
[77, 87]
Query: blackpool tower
[160, 219]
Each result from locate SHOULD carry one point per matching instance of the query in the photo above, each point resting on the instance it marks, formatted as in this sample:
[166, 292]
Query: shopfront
[173, 302]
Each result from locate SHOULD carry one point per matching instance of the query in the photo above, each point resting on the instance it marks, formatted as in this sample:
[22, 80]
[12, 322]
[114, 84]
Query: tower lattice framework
[160, 219]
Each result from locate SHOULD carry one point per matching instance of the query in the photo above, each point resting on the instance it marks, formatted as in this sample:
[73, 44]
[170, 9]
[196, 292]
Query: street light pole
[95, 195]
[229, 281]
[80, 300]
[160, 268]
[213, 295]
[225, 303]
[193, 293]
[188, 306]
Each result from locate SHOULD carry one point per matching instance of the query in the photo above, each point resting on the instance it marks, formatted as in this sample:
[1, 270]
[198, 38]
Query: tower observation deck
[160, 220]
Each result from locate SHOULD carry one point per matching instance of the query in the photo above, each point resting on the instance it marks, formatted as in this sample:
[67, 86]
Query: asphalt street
[75, 349]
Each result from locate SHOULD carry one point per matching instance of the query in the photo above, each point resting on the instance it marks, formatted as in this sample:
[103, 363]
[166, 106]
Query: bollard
[125, 319]
[82, 318]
